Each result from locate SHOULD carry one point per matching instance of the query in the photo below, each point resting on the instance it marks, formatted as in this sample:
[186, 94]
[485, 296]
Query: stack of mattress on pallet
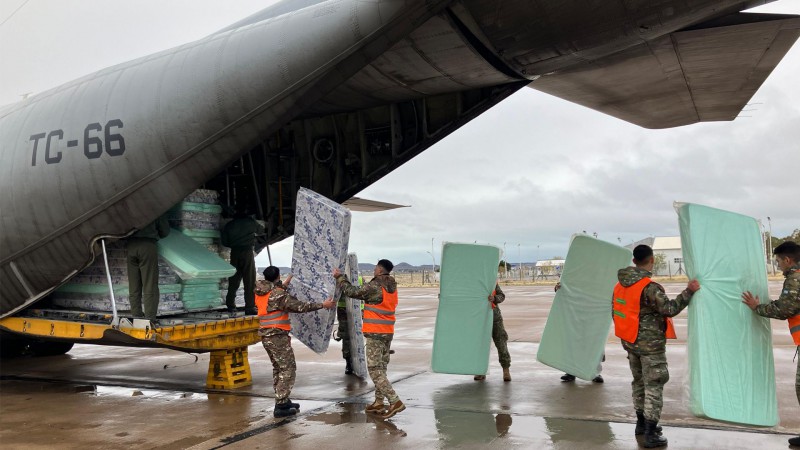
[89, 289]
[189, 265]
[198, 219]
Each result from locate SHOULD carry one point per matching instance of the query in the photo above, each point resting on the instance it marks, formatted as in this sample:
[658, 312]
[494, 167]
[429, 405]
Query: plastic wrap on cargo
[463, 329]
[203, 196]
[321, 234]
[731, 368]
[102, 290]
[201, 236]
[167, 304]
[196, 207]
[577, 327]
[191, 259]
[358, 353]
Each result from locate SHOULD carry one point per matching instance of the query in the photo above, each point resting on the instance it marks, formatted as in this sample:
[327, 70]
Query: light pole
[432, 252]
[769, 246]
[433, 268]
[505, 259]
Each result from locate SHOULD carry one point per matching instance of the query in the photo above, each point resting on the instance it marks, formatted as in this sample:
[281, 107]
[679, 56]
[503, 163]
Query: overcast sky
[530, 172]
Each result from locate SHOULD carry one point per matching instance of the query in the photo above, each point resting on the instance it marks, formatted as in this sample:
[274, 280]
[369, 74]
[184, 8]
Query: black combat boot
[284, 410]
[795, 441]
[293, 404]
[651, 437]
[348, 368]
[640, 423]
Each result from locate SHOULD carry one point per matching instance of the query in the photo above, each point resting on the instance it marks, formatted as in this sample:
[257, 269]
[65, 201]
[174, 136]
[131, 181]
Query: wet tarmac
[114, 397]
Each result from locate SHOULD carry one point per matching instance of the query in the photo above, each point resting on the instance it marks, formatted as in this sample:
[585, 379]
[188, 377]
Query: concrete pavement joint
[265, 428]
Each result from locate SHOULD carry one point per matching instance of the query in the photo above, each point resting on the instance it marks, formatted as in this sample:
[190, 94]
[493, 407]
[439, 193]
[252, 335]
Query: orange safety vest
[380, 318]
[626, 307]
[794, 325]
[274, 319]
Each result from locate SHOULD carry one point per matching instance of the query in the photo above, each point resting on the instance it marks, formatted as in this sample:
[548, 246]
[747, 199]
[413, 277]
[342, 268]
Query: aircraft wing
[366, 205]
[701, 74]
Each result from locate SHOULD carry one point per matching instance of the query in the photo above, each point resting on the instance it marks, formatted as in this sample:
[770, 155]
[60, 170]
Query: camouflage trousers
[143, 277]
[650, 374]
[500, 338]
[797, 376]
[343, 331]
[377, 361]
[244, 262]
[284, 368]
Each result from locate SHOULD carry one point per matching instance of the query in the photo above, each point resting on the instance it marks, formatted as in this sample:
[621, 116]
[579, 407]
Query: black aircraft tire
[11, 348]
[44, 348]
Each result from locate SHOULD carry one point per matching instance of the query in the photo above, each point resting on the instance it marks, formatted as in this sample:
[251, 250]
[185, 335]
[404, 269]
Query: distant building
[670, 247]
[549, 267]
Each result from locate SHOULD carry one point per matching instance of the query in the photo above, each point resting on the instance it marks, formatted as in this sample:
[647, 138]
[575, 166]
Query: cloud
[535, 169]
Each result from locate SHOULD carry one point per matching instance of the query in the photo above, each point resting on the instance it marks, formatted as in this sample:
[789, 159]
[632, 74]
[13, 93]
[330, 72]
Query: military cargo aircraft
[333, 95]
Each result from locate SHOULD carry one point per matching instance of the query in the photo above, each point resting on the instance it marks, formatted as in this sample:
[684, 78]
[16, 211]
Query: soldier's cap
[386, 264]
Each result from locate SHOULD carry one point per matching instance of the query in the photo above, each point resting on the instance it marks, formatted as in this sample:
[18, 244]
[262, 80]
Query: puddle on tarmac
[355, 385]
[11, 386]
[17, 386]
[447, 428]
[353, 413]
[117, 391]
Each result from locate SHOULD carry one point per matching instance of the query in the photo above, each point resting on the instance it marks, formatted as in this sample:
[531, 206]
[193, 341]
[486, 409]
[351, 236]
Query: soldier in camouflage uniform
[787, 306]
[240, 235]
[647, 354]
[274, 304]
[343, 332]
[377, 295]
[499, 335]
[142, 258]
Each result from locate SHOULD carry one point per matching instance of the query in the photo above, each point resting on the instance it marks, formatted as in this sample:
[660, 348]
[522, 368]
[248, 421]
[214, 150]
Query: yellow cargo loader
[51, 332]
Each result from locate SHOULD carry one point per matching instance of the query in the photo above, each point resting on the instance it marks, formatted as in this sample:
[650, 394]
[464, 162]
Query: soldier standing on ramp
[642, 315]
[380, 298]
[240, 235]
[787, 306]
[274, 305]
[142, 256]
